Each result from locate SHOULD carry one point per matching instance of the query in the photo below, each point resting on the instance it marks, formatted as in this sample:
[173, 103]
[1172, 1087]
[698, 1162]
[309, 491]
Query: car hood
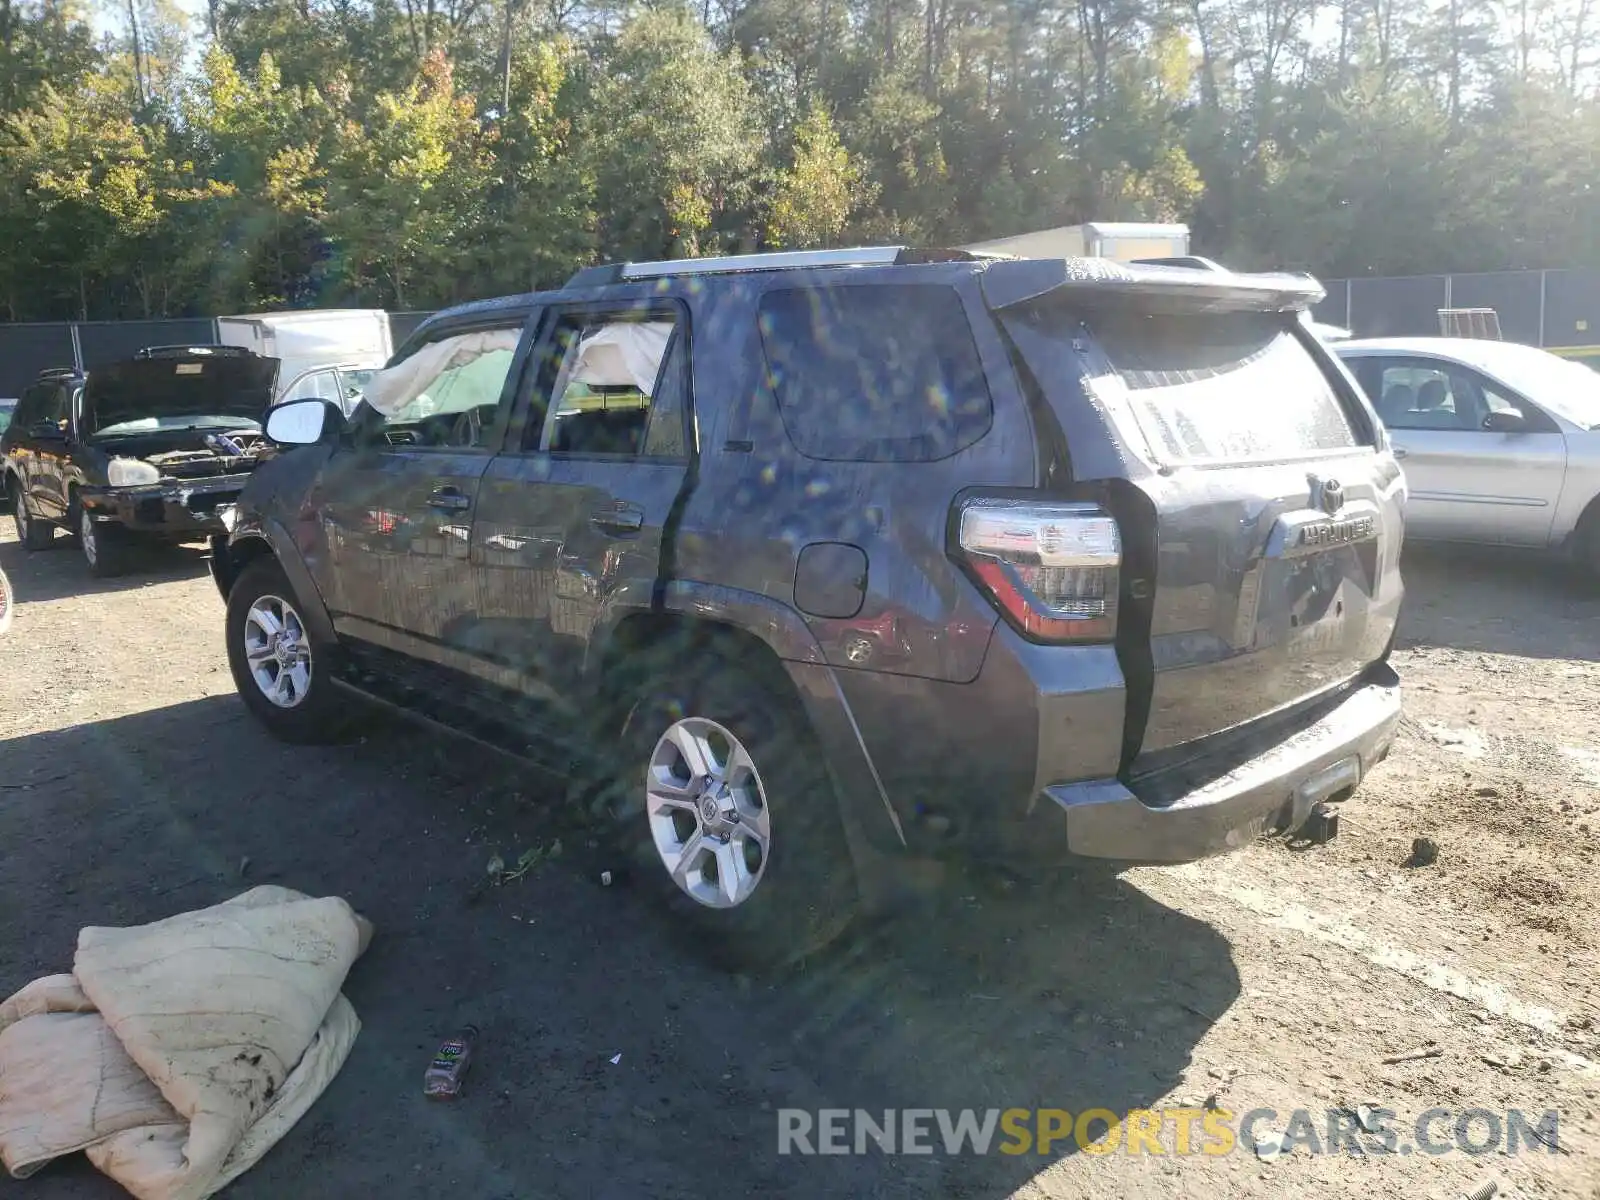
[198, 385]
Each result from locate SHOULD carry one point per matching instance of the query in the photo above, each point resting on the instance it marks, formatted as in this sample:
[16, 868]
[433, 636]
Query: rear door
[573, 515]
[1260, 519]
[1467, 483]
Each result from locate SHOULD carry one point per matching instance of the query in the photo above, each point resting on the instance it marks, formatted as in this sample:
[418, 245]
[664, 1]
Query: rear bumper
[178, 511]
[1272, 792]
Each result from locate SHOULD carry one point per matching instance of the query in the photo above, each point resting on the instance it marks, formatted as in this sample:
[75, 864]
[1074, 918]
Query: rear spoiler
[1147, 287]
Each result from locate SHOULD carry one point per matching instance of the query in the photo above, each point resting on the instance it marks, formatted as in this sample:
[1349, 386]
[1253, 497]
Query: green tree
[406, 189]
[814, 199]
[670, 140]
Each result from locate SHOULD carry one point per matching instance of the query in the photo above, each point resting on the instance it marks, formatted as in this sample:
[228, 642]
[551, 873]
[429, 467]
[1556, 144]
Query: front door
[1468, 483]
[47, 430]
[397, 505]
[572, 518]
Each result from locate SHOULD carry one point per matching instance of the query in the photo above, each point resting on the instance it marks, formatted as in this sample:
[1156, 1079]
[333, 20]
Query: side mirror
[303, 422]
[46, 431]
[1506, 420]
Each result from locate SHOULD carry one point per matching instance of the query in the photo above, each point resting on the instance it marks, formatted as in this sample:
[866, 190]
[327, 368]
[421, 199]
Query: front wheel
[33, 533]
[107, 551]
[280, 668]
[728, 814]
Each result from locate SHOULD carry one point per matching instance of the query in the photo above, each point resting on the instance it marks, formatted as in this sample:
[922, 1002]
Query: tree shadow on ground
[1065, 995]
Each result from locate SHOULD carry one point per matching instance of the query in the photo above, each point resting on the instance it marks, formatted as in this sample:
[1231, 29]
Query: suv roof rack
[203, 349]
[778, 260]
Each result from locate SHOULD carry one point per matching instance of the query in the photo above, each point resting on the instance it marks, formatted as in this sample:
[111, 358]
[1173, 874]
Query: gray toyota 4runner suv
[799, 562]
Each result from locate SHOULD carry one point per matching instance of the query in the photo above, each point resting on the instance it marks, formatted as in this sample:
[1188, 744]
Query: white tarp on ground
[176, 1054]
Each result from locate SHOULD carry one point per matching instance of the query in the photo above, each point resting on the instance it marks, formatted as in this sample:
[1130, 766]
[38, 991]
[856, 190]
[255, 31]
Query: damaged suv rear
[137, 451]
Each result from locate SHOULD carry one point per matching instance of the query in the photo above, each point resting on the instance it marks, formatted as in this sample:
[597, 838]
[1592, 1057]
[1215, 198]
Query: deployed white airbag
[391, 389]
[622, 354]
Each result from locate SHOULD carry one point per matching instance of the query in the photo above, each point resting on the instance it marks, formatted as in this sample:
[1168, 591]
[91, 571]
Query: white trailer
[326, 353]
[1121, 241]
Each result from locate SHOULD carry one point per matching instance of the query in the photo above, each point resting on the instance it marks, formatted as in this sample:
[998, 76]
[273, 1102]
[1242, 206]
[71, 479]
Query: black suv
[139, 450]
[804, 561]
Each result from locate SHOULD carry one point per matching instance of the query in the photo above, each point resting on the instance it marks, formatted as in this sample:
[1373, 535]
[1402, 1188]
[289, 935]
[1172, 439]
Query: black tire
[108, 550]
[806, 894]
[322, 714]
[1586, 547]
[33, 533]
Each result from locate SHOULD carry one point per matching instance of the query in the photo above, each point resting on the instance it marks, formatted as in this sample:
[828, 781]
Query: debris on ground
[1268, 1146]
[530, 858]
[1424, 853]
[1414, 1055]
[447, 1072]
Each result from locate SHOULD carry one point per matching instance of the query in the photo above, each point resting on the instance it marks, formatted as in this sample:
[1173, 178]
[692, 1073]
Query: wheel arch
[870, 821]
[269, 539]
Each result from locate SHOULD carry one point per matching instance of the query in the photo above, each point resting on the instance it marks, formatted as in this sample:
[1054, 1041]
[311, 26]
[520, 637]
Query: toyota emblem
[1330, 497]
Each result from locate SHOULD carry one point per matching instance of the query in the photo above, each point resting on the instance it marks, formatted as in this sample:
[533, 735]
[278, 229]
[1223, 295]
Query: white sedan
[1500, 442]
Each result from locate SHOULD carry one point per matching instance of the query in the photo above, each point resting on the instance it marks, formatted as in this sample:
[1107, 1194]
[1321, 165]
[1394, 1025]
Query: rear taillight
[1051, 566]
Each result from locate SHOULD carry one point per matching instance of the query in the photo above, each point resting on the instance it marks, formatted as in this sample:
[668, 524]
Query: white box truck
[1121, 241]
[326, 353]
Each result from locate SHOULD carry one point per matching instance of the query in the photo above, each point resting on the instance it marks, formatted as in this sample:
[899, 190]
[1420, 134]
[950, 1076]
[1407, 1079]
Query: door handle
[1400, 451]
[449, 498]
[618, 518]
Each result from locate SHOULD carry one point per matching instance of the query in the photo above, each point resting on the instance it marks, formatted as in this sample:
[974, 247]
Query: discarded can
[449, 1066]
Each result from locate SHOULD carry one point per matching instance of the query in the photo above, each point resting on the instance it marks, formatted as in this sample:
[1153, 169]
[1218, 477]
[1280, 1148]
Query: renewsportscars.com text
[1163, 1131]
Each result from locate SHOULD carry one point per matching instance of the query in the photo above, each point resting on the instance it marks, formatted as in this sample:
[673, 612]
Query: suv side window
[30, 408]
[319, 385]
[613, 385]
[444, 395]
[43, 402]
[875, 372]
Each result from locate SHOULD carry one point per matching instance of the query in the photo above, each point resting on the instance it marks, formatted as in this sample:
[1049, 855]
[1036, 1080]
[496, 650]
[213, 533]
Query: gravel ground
[132, 786]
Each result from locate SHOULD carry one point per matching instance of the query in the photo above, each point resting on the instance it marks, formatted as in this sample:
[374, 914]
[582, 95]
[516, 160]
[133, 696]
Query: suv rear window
[1224, 386]
[875, 373]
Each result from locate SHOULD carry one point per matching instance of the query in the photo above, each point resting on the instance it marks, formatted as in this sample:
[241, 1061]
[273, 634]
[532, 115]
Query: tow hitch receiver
[1309, 817]
[1321, 827]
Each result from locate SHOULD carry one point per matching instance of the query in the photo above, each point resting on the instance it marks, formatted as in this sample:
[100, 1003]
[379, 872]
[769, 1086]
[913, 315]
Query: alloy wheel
[278, 651]
[88, 539]
[708, 813]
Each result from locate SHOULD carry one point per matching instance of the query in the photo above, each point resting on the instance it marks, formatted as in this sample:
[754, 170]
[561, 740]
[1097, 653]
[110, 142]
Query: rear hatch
[1258, 508]
[171, 390]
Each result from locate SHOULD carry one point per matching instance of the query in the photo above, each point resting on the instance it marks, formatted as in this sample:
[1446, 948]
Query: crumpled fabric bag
[176, 1054]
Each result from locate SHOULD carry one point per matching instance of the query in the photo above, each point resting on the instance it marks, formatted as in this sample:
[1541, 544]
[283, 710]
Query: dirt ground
[132, 785]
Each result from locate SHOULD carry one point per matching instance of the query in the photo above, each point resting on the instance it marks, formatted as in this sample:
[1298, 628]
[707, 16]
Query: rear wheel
[1586, 545]
[33, 533]
[280, 668]
[729, 818]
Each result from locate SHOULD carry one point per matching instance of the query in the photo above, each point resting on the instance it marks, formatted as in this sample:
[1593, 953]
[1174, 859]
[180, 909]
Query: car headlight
[130, 472]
